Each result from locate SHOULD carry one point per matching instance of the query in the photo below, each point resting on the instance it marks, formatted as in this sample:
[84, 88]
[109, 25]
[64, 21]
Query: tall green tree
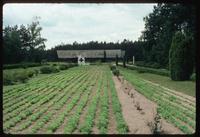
[180, 61]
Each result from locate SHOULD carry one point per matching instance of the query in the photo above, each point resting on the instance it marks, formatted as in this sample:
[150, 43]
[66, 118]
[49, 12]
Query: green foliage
[116, 72]
[11, 77]
[113, 67]
[148, 64]
[7, 79]
[48, 69]
[193, 77]
[170, 107]
[20, 65]
[116, 60]
[180, 57]
[63, 67]
[149, 70]
[121, 124]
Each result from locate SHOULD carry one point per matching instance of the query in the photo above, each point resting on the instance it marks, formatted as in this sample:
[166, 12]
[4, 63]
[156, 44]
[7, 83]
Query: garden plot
[80, 100]
[88, 100]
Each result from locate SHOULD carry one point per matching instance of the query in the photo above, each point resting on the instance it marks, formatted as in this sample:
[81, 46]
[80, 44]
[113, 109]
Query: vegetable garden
[84, 100]
[56, 103]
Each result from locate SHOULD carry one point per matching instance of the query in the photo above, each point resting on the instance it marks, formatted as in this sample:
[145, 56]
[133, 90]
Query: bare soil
[138, 111]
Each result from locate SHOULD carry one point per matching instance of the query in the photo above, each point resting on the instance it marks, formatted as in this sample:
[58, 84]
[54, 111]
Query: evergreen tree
[180, 57]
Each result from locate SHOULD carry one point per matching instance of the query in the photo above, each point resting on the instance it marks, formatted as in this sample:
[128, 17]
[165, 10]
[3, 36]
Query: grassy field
[176, 109]
[74, 100]
[187, 87]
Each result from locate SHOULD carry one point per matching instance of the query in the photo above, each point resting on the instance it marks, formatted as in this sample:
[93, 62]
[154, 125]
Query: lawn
[187, 87]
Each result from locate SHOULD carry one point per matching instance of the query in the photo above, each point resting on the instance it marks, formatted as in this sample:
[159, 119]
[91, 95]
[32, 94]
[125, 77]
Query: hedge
[148, 70]
[21, 65]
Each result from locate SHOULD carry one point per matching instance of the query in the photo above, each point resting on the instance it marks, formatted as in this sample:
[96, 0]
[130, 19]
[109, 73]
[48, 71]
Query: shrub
[43, 61]
[112, 67]
[21, 65]
[7, 79]
[21, 77]
[180, 57]
[36, 72]
[193, 77]
[48, 69]
[148, 64]
[116, 72]
[30, 73]
[10, 77]
[63, 67]
[140, 71]
[150, 70]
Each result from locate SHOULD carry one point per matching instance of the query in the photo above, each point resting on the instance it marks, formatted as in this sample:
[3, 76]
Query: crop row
[23, 114]
[173, 111]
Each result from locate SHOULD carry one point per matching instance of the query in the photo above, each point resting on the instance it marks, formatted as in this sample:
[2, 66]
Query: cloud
[81, 22]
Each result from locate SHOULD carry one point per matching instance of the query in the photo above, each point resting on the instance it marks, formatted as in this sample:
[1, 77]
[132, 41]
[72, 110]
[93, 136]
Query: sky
[66, 23]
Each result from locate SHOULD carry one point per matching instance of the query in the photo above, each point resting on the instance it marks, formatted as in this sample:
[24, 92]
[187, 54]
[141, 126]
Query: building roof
[110, 53]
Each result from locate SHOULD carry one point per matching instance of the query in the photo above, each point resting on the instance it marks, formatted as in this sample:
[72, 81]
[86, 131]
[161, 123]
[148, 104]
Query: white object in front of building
[133, 60]
[81, 60]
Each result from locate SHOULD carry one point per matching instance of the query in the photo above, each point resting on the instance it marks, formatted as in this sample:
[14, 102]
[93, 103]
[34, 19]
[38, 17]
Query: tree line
[167, 23]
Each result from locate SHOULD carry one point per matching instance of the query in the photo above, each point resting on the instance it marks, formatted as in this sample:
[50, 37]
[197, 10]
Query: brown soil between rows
[137, 120]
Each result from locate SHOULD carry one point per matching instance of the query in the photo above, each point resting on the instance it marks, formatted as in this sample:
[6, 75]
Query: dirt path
[138, 111]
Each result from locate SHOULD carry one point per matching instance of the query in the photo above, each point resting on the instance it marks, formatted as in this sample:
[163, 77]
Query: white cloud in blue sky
[81, 22]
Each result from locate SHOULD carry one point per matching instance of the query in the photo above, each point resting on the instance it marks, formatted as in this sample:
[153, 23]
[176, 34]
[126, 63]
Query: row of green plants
[122, 127]
[60, 98]
[45, 95]
[25, 97]
[54, 105]
[104, 109]
[86, 126]
[172, 110]
[72, 122]
[73, 89]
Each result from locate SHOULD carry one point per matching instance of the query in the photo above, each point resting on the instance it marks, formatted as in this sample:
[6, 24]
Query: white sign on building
[81, 60]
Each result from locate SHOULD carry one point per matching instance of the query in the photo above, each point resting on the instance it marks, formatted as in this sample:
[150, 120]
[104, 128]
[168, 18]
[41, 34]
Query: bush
[30, 73]
[140, 71]
[21, 77]
[116, 72]
[7, 79]
[148, 64]
[112, 67]
[36, 72]
[149, 70]
[180, 57]
[193, 77]
[44, 61]
[48, 69]
[21, 65]
[63, 67]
